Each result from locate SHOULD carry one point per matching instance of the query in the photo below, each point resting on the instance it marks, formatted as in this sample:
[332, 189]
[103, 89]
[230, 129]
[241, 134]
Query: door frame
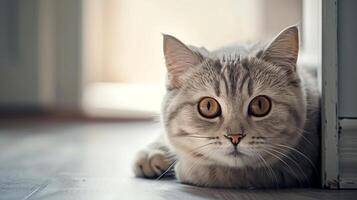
[329, 106]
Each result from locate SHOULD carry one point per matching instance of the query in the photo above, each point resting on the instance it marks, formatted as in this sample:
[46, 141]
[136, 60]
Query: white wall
[124, 41]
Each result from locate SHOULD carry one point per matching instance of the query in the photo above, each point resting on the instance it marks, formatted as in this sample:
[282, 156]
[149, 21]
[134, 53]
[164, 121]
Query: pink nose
[235, 138]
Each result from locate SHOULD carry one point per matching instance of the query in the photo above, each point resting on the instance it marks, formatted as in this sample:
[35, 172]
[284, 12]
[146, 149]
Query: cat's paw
[150, 163]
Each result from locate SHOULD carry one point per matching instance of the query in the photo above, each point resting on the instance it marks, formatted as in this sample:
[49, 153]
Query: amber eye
[208, 107]
[259, 106]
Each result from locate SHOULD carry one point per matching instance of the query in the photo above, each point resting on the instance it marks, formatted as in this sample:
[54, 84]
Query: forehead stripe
[223, 77]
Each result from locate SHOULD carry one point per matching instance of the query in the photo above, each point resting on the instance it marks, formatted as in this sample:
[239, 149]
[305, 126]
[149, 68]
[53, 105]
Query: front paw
[151, 163]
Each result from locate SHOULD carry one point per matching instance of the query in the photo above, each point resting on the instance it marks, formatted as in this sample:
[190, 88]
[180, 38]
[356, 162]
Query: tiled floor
[51, 159]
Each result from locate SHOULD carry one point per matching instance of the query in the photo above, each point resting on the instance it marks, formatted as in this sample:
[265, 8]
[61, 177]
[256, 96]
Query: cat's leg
[153, 160]
[190, 173]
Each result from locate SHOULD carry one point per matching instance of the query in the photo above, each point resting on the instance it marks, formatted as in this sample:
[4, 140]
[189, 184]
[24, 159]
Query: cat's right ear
[179, 58]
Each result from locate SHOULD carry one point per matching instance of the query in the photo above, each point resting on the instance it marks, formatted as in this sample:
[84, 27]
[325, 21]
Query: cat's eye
[259, 106]
[208, 107]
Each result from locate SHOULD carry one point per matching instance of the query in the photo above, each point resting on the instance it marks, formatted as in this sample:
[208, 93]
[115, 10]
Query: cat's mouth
[235, 153]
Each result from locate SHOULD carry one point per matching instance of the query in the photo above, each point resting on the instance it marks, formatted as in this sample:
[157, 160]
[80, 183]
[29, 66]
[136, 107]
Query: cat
[238, 117]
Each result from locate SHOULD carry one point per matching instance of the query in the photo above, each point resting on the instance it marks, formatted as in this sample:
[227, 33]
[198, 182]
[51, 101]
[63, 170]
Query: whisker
[285, 163]
[301, 133]
[196, 162]
[302, 154]
[270, 169]
[198, 148]
[173, 164]
[199, 136]
[291, 159]
[167, 170]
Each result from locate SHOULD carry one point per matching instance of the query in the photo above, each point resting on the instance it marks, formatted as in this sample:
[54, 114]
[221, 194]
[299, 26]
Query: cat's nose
[235, 138]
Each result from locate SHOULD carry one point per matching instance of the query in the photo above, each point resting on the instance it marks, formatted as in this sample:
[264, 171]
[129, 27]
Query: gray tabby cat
[237, 117]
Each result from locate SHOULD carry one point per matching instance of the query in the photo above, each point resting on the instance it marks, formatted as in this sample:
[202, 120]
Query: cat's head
[233, 110]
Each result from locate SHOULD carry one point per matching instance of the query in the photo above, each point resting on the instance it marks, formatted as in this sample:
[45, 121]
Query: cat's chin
[234, 159]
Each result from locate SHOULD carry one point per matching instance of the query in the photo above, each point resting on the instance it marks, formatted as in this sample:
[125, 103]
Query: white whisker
[270, 168]
[292, 160]
[299, 152]
[285, 163]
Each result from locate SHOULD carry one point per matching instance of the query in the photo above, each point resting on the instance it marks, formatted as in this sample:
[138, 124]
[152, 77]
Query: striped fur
[279, 150]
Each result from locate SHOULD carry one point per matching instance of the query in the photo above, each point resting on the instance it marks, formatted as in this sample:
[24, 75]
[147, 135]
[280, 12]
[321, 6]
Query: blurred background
[82, 80]
[103, 58]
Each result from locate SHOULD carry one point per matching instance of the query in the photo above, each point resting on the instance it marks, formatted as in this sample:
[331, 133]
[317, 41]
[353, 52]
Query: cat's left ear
[283, 50]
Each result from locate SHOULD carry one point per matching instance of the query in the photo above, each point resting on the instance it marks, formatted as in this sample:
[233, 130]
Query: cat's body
[274, 145]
